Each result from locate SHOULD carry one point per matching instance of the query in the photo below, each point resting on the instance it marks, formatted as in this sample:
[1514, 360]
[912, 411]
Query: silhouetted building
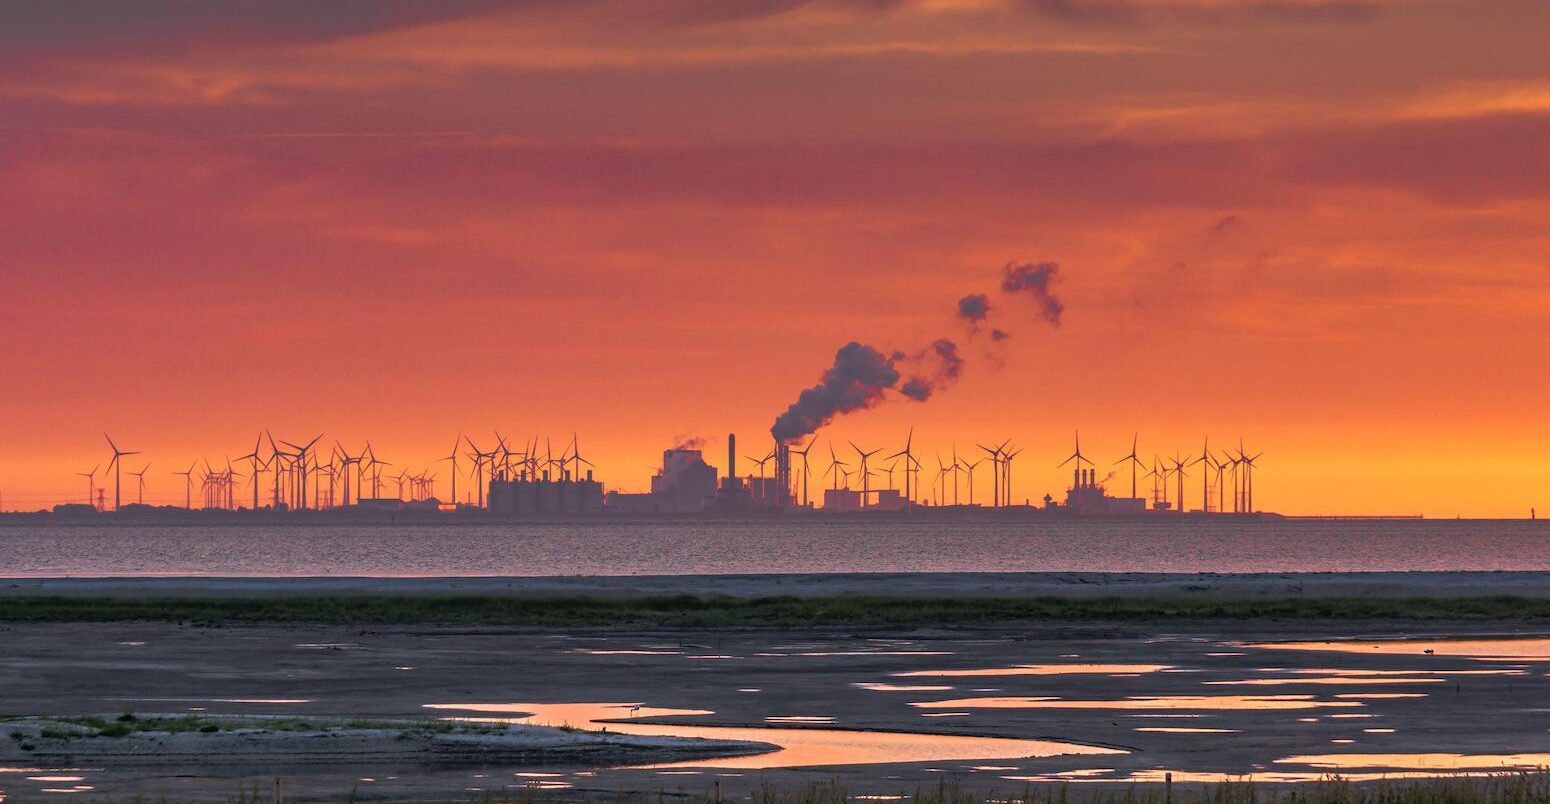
[1088, 497]
[525, 495]
[841, 500]
[685, 483]
[887, 500]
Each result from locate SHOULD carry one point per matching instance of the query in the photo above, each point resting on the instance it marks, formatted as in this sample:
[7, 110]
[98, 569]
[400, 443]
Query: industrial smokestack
[731, 460]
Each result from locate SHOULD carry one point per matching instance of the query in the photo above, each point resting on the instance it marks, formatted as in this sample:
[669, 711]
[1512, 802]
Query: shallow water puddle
[1444, 762]
[795, 747]
[626, 652]
[1332, 681]
[1155, 776]
[1534, 649]
[883, 687]
[1245, 702]
[1185, 730]
[1046, 670]
[1316, 671]
[860, 653]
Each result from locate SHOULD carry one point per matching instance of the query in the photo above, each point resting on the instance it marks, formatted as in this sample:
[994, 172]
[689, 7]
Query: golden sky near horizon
[1322, 226]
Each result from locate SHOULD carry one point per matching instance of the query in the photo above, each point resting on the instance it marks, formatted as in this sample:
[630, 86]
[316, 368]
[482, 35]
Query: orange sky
[1320, 225]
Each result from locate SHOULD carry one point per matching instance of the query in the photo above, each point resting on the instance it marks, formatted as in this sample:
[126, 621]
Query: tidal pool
[795, 747]
[1247, 702]
[1330, 681]
[1045, 670]
[1444, 762]
[1528, 648]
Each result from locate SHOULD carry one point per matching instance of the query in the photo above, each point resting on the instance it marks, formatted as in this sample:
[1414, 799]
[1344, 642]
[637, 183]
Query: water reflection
[1421, 761]
[1331, 681]
[1253, 702]
[799, 747]
[1535, 649]
[1185, 730]
[1047, 670]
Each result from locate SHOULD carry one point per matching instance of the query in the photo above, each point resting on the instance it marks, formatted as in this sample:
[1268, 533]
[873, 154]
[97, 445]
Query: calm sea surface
[672, 548]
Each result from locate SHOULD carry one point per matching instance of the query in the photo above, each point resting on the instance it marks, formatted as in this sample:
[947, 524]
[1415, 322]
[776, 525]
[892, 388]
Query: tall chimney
[731, 460]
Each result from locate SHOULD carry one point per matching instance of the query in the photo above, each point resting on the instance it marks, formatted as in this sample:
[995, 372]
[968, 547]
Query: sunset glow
[1321, 227]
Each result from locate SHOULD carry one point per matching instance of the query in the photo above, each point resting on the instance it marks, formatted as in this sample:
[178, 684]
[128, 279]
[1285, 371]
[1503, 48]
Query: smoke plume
[856, 381]
[688, 442]
[1034, 280]
[862, 374]
[943, 362]
[974, 309]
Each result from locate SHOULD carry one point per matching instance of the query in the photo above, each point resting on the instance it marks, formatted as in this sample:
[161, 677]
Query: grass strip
[713, 612]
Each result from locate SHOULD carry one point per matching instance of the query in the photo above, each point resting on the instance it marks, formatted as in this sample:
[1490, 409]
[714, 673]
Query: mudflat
[882, 710]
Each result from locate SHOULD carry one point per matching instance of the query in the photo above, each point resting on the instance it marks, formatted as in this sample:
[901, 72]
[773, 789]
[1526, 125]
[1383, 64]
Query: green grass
[691, 611]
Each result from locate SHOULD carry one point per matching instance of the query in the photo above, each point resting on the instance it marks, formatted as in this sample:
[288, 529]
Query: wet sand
[925, 584]
[1198, 700]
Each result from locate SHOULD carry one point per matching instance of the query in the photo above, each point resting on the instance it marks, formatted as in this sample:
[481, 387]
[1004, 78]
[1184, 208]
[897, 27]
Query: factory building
[1088, 497]
[526, 495]
[852, 500]
[841, 500]
[684, 485]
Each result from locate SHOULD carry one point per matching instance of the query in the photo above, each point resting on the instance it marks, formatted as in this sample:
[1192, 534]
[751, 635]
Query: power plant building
[525, 495]
[1088, 497]
[684, 484]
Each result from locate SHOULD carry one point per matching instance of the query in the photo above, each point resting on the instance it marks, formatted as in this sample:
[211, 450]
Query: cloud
[170, 25]
[974, 309]
[1218, 12]
[1034, 281]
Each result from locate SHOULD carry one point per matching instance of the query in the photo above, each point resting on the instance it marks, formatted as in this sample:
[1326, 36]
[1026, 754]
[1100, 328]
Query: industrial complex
[292, 480]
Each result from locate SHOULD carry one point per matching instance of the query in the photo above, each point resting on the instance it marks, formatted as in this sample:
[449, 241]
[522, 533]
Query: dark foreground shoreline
[850, 599]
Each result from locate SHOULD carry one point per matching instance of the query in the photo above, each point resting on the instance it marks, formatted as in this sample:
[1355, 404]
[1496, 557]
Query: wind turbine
[1205, 476]
[1079, 458]
[1134, 461]
[1178, 471]
[452, 456]
[1156, 477]
[258, 467]
[968, 469]
[866, 478]
[940, 482]
[114, 465]
[1006, 473]
[91, 484]
[140, 476]
[1237, 500]
[954, 468]
[276, 459]
[805, 469]
[188, 486]
[1248, 476]
[577, 460]
[834, 464]
[760, 462]
[909, 458]
[995, 470]
[301, 452]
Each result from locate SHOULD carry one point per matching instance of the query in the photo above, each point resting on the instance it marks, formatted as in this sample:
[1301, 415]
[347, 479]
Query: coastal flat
[1202, 697]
